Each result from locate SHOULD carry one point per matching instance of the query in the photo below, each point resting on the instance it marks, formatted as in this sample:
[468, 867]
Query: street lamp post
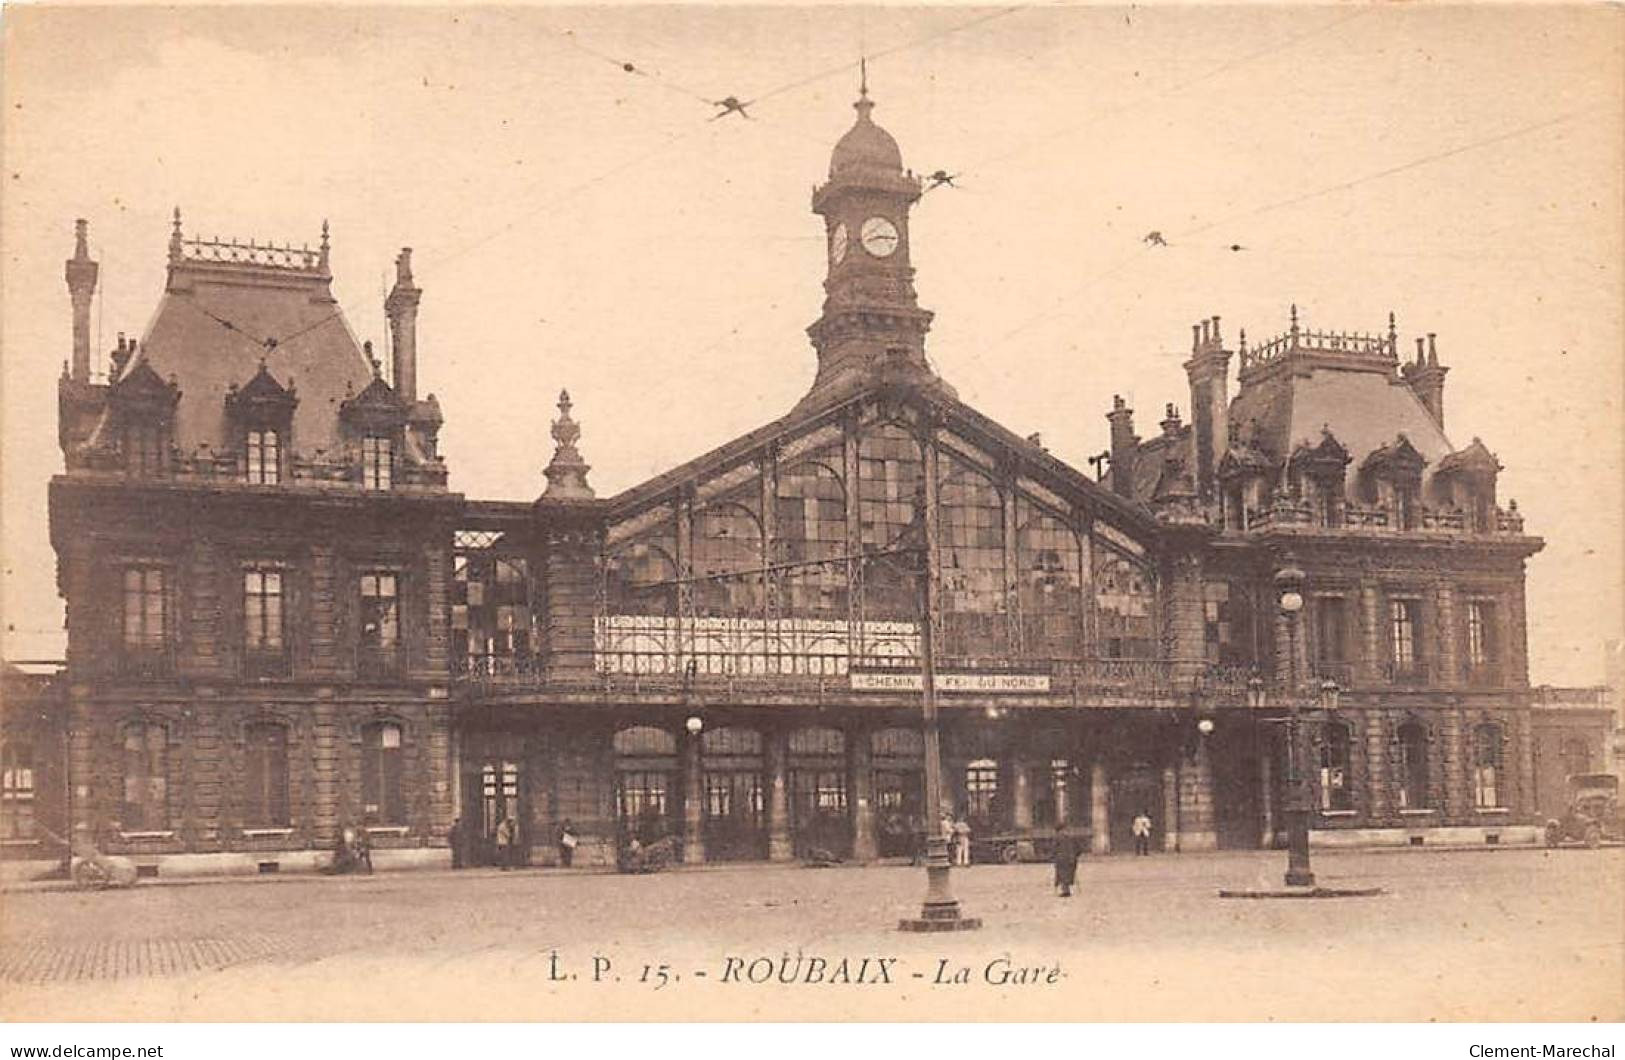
[940, 910]
[1289, 583]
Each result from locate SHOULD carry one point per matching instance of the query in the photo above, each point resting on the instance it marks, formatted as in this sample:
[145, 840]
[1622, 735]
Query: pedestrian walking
[505, 843]
[454, 840]
[961, 842]
[1066, 861]
[363, 849]
[567, 843]
[1142, 833]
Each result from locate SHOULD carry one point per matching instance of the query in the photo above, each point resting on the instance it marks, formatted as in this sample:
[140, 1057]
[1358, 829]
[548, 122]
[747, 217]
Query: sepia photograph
[827, 513]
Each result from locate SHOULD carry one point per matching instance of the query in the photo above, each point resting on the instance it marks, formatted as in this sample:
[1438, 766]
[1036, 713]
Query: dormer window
[261, 413]
[377, 462]
[143, 449]
[262, 450]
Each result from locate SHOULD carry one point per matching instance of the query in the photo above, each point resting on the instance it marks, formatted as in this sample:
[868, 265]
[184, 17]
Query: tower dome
[866, 145]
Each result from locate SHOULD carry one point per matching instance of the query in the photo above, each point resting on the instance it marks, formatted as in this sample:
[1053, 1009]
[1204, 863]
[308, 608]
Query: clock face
[879, 237]
[838, 240]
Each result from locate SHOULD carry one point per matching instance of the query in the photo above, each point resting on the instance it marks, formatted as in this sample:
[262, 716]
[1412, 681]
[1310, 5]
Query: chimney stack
[81, 274]
[1208, 372]
[1124, 446]
[1426, 377]
[402, 309]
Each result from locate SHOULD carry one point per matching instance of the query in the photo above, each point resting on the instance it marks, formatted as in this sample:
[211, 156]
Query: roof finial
[322, 260]
[1294, 329]
[864, 104]
[175, 238]
[567, 473]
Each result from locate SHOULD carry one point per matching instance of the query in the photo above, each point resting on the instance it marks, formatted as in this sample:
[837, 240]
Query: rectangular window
[380, 623]
[262, 610]
[1480, 633]
[145, 608]
[1404, 642]
[17, 791]
[382, 801]
[264, 453]
[143, 449]
[146, 778]
[266, 777]
[377, 462]
[1331, 632]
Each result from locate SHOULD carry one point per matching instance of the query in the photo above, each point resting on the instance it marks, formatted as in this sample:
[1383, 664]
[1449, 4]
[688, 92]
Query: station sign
[972, 682]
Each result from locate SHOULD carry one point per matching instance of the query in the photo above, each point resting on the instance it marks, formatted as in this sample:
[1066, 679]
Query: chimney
[1208, 372]
[402, 309]
[81, 275]
[1124, 446]
[1426, 378]
[1170, 420]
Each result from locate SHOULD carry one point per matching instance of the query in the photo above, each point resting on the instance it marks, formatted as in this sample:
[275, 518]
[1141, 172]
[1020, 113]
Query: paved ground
[1480, 935]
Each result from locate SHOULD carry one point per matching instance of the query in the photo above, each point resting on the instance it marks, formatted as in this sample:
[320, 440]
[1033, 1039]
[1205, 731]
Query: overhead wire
[1177, 238]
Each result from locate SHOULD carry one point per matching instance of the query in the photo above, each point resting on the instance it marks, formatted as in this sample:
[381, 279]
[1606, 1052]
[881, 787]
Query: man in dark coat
[1066, 861]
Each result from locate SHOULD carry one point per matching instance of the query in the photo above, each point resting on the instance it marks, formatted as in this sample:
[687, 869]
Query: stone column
[208, 746]
[1524, 809]
[861, 783]
[1021, 792]
[325, 738]
[1171, 823]
[442, 775]
[693, 801]
[1196, 802]
[1376, 767]
[81, 763]
[1371, 636]
[571, 600]
[777, 743]
[1062, 794]
[1451, 749]
[1099, 808]
[327, 602]
[1449, 659]
[1266, 801]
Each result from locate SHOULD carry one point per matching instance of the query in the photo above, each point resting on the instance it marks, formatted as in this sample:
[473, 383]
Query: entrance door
[1237, 809]
[1133, 791]
[900, 822]
[491, 792]
[735, 816]
[818, 818]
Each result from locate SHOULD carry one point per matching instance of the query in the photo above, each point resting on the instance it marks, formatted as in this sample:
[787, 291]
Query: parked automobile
[1593, 813]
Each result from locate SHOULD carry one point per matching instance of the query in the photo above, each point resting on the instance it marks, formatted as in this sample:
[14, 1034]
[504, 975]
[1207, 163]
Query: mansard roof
[226, 308]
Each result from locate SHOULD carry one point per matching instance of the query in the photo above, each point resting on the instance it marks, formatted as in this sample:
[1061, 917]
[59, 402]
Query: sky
[579, 226]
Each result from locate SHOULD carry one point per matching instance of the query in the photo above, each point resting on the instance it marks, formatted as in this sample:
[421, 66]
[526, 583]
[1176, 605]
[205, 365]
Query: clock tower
[872, 329]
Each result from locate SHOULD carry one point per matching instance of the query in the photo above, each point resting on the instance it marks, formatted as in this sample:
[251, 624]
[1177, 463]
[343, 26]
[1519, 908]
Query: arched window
[146, 777]
[897, 743]
[817, 742]
[382, 801]
[1336, 774]
[1486, 766]
[731, 741]
[265, 776]
[1413, 766]
[644, 740]
[981, 789]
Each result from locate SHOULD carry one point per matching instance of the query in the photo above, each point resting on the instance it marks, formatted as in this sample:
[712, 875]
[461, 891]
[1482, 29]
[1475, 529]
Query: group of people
[506, 846]
[352, 852]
